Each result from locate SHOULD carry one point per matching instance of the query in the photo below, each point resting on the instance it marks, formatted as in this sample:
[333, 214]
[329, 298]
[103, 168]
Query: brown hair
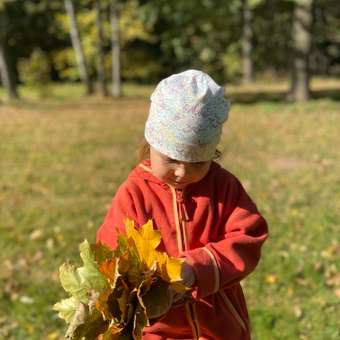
[143, 152]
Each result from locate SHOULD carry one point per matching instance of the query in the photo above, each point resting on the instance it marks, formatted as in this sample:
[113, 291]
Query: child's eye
[173, 161]
[170, 160]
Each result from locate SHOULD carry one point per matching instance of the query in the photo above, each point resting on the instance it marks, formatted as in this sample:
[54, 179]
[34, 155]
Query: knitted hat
[186, 116]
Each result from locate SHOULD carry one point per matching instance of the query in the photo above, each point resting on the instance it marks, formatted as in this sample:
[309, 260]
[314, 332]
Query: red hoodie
[217, 227]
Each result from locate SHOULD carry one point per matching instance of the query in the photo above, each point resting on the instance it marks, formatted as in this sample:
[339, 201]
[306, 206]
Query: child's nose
[180, 170]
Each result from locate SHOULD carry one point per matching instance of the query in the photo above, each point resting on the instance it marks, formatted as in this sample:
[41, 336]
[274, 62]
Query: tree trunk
[101, 59]
[300, 76]
[75, 38]
[6, 76]
[247, 44]
[116, 78]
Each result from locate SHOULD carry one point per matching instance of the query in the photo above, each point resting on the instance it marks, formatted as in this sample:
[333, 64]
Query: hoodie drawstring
[181, 217]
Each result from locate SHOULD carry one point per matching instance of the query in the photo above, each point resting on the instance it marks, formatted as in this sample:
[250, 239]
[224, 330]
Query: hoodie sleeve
[123, 206]
[220, 264]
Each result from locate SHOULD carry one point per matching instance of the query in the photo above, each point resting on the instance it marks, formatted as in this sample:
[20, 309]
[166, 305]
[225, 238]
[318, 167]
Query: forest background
[75, 80]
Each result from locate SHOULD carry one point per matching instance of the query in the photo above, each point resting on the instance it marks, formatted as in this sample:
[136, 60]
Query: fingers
[188, 275]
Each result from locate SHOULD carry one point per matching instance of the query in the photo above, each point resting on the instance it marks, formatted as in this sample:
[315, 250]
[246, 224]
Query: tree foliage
[159, 37]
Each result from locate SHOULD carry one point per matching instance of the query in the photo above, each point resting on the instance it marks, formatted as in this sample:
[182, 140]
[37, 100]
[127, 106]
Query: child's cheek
[163, 173]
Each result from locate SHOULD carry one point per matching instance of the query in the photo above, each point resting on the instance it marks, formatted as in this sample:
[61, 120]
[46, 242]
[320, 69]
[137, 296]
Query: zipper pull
[185, 213]
[179, 195]
[180, 200]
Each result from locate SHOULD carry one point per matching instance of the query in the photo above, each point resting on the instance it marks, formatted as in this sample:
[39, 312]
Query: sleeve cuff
[206, 270]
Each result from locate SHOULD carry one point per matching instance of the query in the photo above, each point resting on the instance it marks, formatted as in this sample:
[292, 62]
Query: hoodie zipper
[181, 217]
[179, 234]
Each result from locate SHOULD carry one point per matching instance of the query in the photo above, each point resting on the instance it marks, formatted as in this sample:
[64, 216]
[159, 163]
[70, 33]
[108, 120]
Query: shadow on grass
[255, 93]
[254, 97]
[333, 94]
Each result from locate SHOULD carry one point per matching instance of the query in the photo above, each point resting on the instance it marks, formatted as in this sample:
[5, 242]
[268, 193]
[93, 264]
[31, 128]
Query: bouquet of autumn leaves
[116, 293]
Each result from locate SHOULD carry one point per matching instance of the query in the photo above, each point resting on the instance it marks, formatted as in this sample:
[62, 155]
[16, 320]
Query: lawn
[63, 157]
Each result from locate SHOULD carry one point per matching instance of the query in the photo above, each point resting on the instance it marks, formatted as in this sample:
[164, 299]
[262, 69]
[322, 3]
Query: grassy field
[62, 158]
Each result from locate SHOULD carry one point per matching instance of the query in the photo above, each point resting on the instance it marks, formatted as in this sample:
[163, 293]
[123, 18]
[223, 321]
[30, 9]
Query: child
[202, 211]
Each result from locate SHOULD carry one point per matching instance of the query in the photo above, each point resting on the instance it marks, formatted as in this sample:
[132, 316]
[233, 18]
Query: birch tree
[77, 46]
[247, 43]
[101, 56]
[301, 38]
[115, 41]
[6, 76]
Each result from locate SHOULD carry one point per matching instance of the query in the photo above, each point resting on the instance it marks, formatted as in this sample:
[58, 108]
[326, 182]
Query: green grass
[62, 158]
[59, 92]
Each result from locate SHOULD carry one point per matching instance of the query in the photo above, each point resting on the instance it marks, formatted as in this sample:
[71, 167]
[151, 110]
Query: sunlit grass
[62, 159]
[58, 92]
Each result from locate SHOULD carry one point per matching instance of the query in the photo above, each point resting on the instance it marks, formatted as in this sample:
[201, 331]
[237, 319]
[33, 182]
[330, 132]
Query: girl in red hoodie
[202, 210]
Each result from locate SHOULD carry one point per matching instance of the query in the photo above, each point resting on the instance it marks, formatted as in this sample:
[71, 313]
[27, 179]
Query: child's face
[177, 173]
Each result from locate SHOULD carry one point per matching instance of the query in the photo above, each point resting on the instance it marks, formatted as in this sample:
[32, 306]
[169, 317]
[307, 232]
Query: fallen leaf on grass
[271, 279]
[50, 244]
[22, 263]
[26, 300]
[301, 281]
[331, 251]
[6, 327]
[333, 280]
[37, 256]
[7, 269]
[298, 312]
[30, 328]
[53, 335]
[290, 291]
[36, 235]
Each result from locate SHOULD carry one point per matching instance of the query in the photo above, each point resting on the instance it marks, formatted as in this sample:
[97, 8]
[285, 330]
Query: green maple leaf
[79, 281]
[71, 282]
[89, 274]
[66, 308]
[77, 320]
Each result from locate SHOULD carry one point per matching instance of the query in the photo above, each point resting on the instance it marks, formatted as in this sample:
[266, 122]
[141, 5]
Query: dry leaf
[297, 311]
[115, 294]
[271, 279]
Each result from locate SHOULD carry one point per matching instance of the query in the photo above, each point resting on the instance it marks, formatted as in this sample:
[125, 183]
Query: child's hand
[188, 279]
[188, 275]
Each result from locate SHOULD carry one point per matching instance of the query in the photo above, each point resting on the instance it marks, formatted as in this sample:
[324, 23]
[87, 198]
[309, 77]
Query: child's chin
[177, 185]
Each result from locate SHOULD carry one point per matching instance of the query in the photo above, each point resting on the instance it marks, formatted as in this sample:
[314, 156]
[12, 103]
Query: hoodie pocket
[233, 310]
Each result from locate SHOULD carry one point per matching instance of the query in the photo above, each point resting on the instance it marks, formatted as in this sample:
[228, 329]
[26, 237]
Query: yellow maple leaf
[174, 269]
[146, 240]
[153, 237]
[145, 250]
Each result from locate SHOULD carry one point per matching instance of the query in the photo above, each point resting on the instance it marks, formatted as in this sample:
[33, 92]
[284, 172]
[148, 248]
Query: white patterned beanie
[186, 116]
